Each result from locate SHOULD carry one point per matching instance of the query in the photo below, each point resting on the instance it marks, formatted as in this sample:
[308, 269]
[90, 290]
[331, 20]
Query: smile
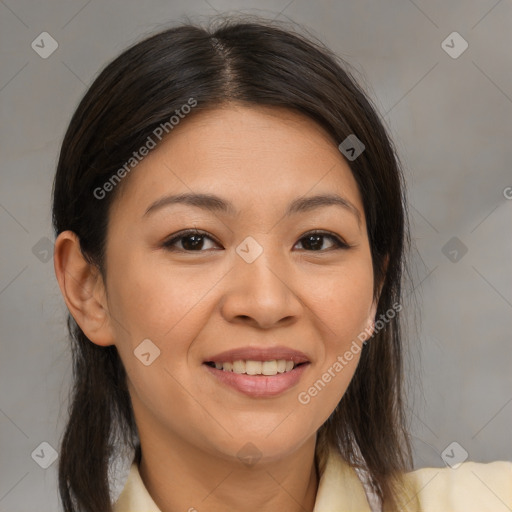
[257, 384]
[250, 367]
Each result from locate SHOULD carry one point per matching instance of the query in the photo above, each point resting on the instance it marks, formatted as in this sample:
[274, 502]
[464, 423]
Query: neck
[187, 479]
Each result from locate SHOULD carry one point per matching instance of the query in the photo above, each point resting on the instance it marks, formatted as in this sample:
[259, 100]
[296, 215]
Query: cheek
[168, 307]
[157, 302]
[342, 301]
[152, 302]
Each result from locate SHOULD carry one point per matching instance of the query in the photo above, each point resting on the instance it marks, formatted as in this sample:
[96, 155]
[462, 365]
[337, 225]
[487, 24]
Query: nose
[261, 293]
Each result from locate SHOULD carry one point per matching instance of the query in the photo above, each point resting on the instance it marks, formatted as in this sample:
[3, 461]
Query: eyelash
[168, 244]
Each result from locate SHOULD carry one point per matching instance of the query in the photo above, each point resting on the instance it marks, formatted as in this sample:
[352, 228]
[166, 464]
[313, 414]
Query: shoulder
[469, 487]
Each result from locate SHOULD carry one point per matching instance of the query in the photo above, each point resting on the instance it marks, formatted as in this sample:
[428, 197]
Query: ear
[375, 303]
[82, 287]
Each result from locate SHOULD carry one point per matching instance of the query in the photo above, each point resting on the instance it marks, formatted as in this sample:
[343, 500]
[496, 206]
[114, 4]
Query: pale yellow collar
[339, 489]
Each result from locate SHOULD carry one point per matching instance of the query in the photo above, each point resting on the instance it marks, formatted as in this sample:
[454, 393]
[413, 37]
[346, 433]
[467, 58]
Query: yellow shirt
[472, 487]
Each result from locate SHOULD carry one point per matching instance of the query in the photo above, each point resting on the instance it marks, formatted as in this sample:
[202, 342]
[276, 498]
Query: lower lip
[259, 386]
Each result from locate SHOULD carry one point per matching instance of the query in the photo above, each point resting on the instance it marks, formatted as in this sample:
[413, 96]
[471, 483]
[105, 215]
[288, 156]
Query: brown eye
[191, 241]
[314, 241]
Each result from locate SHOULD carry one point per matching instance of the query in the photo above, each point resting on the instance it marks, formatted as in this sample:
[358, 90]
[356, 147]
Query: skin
[195, 304]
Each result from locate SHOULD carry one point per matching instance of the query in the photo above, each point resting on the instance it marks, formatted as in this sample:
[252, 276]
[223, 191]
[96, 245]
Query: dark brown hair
[252, 63]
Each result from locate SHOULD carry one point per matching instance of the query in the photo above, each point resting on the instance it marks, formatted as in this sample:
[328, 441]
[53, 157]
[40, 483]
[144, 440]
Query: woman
[230, 242]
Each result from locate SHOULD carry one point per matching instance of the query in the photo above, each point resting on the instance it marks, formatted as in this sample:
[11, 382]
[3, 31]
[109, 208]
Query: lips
[259, 354]
[258, 372]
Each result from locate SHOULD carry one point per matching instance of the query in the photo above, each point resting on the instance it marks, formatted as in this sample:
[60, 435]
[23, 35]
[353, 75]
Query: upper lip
[259, 354]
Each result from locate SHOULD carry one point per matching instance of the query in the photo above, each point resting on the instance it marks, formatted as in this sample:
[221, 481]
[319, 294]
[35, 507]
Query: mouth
[258, 372]
[256, 368]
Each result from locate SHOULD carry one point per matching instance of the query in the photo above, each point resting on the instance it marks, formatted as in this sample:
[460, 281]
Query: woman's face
[255, 285]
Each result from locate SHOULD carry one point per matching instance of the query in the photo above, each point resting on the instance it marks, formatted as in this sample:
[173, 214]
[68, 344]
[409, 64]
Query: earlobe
[82, 287]
[370, 327]
[370, 323]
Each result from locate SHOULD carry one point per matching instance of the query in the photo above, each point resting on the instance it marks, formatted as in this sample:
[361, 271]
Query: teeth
[250, 367]
[238, 367]
[269, 368]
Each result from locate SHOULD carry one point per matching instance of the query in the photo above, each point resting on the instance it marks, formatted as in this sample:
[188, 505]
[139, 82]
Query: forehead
[264, 156]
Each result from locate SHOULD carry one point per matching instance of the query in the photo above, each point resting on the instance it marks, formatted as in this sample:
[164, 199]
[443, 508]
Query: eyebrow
[213, 203]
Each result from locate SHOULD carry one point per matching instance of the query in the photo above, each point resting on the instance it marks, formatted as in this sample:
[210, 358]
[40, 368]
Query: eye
[314, 241]
[190, 240]
[193, 240]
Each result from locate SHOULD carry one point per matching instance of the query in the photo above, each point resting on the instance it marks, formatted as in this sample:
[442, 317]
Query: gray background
[451, 122]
